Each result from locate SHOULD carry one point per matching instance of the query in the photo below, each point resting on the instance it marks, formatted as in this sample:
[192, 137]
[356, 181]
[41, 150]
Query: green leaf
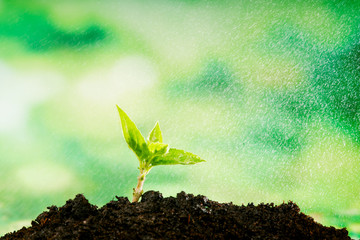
[158, 148]
[155, 135]
[175, 156]
[132, 136]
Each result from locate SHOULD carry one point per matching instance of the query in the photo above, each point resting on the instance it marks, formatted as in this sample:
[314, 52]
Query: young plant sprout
[152, 152]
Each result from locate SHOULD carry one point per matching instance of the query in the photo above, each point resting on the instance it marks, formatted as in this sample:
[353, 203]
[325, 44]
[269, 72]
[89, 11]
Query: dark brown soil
[184, 217]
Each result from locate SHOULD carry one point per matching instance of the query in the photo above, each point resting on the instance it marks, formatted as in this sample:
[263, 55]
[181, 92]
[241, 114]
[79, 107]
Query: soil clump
[184, 217]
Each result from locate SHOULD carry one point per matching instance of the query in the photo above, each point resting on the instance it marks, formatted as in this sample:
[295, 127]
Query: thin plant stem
[139, 187]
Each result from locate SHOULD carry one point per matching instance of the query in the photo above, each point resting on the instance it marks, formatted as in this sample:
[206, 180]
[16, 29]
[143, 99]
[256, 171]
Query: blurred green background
[268, 92]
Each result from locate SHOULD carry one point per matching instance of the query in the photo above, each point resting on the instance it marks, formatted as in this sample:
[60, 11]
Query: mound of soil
[184, 217]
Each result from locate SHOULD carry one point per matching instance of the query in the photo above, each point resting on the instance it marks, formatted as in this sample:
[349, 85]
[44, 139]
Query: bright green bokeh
[267, 93]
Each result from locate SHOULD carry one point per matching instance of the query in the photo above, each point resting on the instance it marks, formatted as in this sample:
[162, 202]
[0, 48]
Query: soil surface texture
[184, 217]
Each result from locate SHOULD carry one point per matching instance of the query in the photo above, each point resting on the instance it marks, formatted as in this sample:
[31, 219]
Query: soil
[184, 217]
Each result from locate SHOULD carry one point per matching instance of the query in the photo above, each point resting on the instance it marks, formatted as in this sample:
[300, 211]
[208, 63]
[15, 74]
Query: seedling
[152, 152]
